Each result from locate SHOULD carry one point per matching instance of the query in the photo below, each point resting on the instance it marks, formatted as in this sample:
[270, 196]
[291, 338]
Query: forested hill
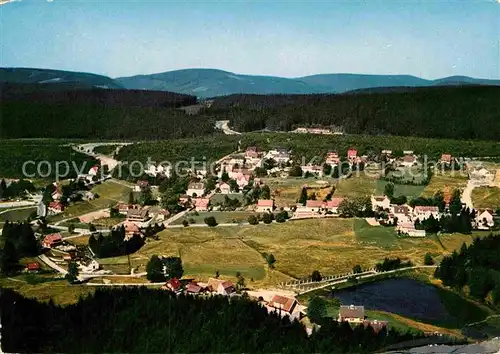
[457, 112]
[56, 77]
[31, 112]
[140, 320]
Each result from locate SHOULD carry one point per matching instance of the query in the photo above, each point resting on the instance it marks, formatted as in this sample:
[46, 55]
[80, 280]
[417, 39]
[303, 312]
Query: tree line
[18, 240]
[474, 270]
[460, 112]
[108, 321]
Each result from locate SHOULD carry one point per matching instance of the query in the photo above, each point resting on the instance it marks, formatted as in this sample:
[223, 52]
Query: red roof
[284, 303]
[56, 205]
[201, 202]
[193, 288]
[334, 203]
[174, 283]
[446, 157]
[314, 203]
[425, 208]
[51, 238]
[352, 153]
[33, 266]
[265, 203]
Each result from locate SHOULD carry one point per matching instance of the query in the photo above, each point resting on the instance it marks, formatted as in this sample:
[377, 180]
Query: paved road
[51, 264]
[224, 126]
[20, 204]
[467, 195]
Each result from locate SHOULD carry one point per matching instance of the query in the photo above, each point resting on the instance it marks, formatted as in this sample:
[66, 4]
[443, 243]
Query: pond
[405, 297]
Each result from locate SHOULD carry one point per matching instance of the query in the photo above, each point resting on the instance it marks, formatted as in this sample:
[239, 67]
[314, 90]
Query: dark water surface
[405, 297]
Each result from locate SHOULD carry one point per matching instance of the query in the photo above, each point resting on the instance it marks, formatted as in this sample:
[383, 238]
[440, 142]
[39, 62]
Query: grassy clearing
[486, 197]
[356, 186]
[219, 198]
[17, 214]
[331, 246]
[286, 191]
[58, 290]
[226, 217]
[442, 180]
[409, 191]
[109, 194]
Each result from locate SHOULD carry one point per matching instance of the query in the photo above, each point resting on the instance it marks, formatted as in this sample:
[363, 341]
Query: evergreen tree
[316, 309]
[303, 196]
[154, 270]
[9, 258]
[173, 267]
[131, 199]
[267, 218]
[389, 190]
[73, 272]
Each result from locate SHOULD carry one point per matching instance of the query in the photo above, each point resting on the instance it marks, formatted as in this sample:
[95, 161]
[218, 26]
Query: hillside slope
[212, 82]
[463, 112]
[55, 77]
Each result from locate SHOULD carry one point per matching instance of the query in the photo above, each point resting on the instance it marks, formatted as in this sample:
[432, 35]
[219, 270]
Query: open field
[226, 217]
[486, 197]
[219, 197]
[17, 214]
[407, 190]
[331, 246]
[356, 186]
[109, 194]
[286, 191]
[440, 181]
[58, 290]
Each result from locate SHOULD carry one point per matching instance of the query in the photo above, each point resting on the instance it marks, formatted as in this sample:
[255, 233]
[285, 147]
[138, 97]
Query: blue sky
[430, 39]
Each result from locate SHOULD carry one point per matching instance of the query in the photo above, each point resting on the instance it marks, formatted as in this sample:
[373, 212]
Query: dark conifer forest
[458, 112]
[475, 268]
[140, 320]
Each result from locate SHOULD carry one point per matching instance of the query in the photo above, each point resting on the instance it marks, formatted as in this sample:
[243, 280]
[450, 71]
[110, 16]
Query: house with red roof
[224, 188]
[194, 288]
[352, 314]
[221, 287]
[446, 159]
[51, 240]
[422, 212]
[94, 170]
[284, 306]
[332, 158]
[352, 155]
[333, 204]
[314, 206]
[173, 285]
[56, 207]
[265, 205]
[33, 267]
[201, 204]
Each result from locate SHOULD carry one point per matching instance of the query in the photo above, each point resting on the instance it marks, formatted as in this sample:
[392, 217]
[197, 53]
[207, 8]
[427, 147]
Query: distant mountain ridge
[206, 83]
[53, 79]
[213, 82]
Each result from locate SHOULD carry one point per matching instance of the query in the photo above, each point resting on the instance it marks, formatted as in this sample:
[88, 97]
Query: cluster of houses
[318, 131]
[405, 216]
[84, 261]
[284, 306]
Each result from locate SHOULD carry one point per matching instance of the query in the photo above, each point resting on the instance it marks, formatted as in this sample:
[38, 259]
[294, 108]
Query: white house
[94, 170]
[380, 202]
[284, 306]
[351, 314]
[312, 169]
[195, 189]
[279, 155]
[314, 206]
[408, 228]
[242, 180]
[88, 266]
[423, 212]
[333, 205]
[264, 205]
[224, 188]
[408, 160]
[484, 219]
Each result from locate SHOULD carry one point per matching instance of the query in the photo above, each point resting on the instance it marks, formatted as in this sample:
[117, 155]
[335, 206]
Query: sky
[429, 39]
